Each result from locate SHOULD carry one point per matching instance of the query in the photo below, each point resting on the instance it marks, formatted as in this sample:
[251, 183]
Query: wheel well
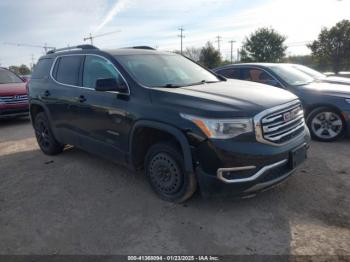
[143, 139]
[34, 110]
[313, 107]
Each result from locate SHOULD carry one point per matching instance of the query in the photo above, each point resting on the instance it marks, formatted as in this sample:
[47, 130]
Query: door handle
[81, 99]
[47, 93]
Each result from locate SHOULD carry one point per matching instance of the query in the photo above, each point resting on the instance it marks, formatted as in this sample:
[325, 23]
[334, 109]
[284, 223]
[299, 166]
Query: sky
[155, 23]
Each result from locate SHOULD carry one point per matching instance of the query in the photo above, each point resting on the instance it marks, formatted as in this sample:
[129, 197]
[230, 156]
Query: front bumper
[346, 115]
[227, 168]
[14, 112]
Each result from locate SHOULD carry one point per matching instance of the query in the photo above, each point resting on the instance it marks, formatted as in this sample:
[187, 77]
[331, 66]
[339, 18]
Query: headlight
[221, 128]
[347, 100]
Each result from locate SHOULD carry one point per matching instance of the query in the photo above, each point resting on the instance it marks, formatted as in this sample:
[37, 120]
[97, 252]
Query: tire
[164, 168]
[326, 124]
[44, 136]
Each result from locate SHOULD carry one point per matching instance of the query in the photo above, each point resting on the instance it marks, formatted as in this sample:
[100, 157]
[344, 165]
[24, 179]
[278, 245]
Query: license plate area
[297, 156]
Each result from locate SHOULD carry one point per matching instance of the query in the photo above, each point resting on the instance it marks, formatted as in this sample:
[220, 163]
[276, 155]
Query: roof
[249, 64]
[133, 51]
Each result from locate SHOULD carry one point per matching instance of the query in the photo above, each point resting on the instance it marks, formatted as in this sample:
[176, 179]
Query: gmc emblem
[291, 115]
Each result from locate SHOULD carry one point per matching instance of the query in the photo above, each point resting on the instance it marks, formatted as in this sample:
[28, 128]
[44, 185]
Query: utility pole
[32, 65]
[238, 55]
[181, 35]
[89, 38]
[92, 37]
[231, 42]
[218, 40]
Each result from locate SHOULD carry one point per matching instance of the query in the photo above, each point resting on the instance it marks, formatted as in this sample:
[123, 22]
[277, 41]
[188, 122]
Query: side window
[68, 68]
[98, 68]
[42, 68]
[230, 73]
[256, 75]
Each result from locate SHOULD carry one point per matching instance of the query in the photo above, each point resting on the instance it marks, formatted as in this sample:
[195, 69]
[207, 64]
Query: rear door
[63, 97]
[102, 115]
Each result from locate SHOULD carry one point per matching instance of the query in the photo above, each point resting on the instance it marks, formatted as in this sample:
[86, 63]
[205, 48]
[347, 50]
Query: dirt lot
[77, 203]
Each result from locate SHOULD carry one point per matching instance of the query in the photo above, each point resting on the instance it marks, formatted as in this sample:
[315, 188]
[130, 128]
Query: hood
[337, 80]
[223, 99]
[13, 89]
[329, 89]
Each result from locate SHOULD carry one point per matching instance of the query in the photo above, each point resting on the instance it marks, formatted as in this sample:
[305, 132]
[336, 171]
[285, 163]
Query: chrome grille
[281, 124]
[15, 99]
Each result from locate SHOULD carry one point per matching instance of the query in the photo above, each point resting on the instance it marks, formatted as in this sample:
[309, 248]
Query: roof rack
[83, 47]
[140, 47]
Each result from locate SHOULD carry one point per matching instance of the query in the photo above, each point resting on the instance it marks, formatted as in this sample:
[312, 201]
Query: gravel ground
[77, 203]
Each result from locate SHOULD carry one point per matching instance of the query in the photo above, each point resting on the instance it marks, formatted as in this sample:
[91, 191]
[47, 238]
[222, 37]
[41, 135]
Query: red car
[13, 95]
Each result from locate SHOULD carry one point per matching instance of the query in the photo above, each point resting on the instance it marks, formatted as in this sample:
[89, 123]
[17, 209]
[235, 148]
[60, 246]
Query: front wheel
[326, 124]
[164, 167]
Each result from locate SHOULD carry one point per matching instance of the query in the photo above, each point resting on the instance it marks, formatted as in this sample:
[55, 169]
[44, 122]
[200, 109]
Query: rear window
[68, 68]
[42, 68]
[7, 77]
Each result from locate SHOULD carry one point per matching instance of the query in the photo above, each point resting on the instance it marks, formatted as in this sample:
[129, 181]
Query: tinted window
[292, 76]
[42, 68]
[230, 73]
[256, 75]
[159, 70]
[7, 77]
[98, 68]
[68, 70]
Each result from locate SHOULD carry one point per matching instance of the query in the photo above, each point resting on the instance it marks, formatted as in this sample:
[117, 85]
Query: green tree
[264, 45]
[333, 46]
[192, 53]
[209, 56]
[20, 70]
[14, 69]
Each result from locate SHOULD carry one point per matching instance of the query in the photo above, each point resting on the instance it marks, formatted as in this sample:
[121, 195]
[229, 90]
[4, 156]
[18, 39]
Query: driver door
[102, 114]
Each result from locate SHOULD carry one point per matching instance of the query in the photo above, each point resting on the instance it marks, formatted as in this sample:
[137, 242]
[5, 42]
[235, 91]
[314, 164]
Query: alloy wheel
[327, 125]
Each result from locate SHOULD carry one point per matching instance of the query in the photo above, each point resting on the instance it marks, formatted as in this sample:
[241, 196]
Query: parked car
[13, 95]
[326, 106]
[25, 78]
[164, 114]
[322, 77]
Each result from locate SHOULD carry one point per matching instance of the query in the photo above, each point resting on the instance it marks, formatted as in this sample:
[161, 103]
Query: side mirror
[110, 84]
[273, 83]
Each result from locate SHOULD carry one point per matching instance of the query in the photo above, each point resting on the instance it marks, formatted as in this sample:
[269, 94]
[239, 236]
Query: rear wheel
[164, 166]
[326, 124]
[46, 140]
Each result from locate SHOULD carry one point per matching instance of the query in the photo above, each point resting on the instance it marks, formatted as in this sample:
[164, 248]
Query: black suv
[162, 113]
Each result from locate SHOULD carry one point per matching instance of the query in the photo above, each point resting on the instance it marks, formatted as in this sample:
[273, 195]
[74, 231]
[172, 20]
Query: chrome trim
[302, 124]
[262, 171]
[258, 127]
[281, 124]
[83, 87]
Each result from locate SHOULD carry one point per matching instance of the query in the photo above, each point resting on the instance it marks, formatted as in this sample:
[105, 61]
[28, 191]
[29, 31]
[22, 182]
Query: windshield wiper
[201, 82]
[169, 86]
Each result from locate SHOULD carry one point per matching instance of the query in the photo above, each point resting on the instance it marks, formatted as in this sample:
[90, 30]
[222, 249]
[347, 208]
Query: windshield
[7, 77]
[309, 71]
[165, 70]
[290, 75]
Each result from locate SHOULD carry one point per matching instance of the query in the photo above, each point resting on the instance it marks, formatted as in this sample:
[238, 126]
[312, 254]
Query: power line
[181, 35]
[218, 40]
[45, 47]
